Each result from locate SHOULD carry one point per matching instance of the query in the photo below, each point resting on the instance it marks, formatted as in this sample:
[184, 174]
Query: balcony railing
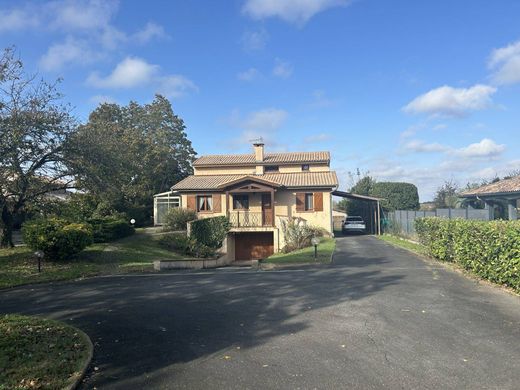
[245, 218]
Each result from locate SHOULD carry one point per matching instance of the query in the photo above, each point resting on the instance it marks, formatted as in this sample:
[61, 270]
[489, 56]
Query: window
[305, 167]
[271, 168]
[309, 202]
[204, 203]
[240, 202]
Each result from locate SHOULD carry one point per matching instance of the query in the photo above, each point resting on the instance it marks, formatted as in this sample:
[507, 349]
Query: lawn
[305, 255]
[131, 254]
[40, 354]
[403, 243]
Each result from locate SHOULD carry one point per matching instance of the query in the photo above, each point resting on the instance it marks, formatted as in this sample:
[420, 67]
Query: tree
[396, 196]
[34, 125]
[125, 154]
[447, 195]
[363, 186]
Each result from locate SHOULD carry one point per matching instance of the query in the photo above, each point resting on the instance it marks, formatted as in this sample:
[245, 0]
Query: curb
[77, 377]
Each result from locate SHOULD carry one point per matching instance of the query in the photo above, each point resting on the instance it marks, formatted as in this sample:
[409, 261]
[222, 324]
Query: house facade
[258, 192]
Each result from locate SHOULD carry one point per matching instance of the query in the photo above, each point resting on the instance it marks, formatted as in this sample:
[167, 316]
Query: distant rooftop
[500, 187]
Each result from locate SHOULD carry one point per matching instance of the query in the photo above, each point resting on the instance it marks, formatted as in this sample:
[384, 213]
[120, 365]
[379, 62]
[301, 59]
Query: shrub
[298, 234]
[178, 218]
[210, 232]
[186, 245]
[57, 238]
[488, 249]
[396, 195]
[107, 229]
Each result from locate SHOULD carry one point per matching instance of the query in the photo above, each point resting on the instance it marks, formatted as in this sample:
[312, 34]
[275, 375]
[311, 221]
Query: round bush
[57, 238]
[178, 218]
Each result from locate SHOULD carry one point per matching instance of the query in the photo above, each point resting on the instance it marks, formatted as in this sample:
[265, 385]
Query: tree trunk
[6, 237]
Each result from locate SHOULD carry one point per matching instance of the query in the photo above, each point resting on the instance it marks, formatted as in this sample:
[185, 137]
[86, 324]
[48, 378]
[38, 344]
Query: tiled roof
[269, 158]
[502, 186]
[299, 179]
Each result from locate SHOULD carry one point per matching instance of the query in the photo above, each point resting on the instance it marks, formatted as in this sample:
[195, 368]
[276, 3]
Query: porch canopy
[373, 208]
[503, 192]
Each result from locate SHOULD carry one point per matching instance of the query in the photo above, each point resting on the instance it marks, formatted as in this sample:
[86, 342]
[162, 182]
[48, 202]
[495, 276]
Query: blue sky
[417, 91]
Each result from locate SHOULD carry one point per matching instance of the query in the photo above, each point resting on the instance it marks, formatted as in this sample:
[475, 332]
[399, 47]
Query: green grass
[131, 254]
[40, 354]
[305, 255]
[402, 243]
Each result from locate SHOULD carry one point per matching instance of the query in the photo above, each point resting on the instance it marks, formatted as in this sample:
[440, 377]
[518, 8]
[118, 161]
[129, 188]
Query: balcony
[245, 218]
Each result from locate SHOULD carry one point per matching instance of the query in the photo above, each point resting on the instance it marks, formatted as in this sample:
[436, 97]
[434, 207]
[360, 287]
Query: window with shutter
[191, 203]
[217, 203]
[318, 201]
[300, 201]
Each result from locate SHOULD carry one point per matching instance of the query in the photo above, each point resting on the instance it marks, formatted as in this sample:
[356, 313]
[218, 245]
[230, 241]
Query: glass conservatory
[162, 203]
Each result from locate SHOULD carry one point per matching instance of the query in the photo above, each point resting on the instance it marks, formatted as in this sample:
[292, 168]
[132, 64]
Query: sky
[415, 91]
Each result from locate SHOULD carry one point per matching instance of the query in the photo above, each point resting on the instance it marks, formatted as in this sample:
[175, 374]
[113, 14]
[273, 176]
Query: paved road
[378, 318]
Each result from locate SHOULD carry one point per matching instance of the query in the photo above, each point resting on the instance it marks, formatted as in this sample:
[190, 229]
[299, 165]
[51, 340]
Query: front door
[267, 210]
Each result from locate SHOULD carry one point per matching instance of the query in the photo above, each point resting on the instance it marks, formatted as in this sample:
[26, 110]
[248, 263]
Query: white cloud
[419, 146]
[264, 120]
[449, 101]
[70, 51]
[248, 75]
[17, 19]
[82, 14]
[134, 72]
[100, 99]
[263, 123]
[149, 32]
[254, 40]
[175, 86]
[506, 64]
[129, 73]
[282, 69]
[486, 148]
[292, 11]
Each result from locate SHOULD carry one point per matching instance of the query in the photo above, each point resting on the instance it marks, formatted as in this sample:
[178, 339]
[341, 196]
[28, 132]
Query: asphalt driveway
[379, 317]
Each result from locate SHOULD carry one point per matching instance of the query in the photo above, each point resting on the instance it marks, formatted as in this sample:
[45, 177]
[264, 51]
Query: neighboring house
[338, 217]
[259, 191]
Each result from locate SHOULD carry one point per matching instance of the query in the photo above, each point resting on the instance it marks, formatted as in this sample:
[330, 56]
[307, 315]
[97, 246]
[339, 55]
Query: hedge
[210, 231]
[57, 238]
[488, 249]
[107, 229]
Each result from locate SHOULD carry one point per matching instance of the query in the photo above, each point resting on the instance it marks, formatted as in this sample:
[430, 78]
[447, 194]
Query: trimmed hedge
[488, 249]
[57, 238]
[107, 229]
[210, 231]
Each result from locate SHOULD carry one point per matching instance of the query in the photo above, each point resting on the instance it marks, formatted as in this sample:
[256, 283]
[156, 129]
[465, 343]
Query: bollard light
[132, 221]
[315, 241]
[39, 256]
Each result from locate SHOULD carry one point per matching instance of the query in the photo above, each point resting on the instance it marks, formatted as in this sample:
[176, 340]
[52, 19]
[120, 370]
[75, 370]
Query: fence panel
[403, 220]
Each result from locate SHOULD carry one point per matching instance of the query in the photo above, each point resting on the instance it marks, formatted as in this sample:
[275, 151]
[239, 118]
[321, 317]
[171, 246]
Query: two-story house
[257, 192]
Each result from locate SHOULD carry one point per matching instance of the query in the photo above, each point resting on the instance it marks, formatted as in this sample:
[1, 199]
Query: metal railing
[245, 218]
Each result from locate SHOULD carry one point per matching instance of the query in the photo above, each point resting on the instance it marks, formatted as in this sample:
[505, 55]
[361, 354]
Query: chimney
[259, 157]
[259, 151]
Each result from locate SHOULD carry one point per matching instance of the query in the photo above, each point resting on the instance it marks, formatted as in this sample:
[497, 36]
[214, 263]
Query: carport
[372, 210]
[503, 193]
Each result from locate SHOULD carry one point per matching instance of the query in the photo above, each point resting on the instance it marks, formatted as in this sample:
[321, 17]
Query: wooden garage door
[249, 246]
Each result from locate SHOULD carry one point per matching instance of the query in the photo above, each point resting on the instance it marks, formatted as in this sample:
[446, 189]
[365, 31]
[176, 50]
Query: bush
[210, 232]
[178, 218]
[298, 234]
[396, 195]
[57, 238]
[107, 229]
[489, 249]
[186, 245]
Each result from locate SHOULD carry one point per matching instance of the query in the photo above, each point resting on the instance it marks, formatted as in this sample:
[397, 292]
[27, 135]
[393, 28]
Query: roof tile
[299, 179]
[502, 186]
[269, 158]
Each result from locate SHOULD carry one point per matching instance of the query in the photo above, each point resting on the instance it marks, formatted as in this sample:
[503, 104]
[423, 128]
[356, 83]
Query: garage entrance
[253, 245]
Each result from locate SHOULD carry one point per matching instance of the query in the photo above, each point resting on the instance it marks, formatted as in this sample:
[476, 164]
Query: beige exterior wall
[298, 168]
[285, 207]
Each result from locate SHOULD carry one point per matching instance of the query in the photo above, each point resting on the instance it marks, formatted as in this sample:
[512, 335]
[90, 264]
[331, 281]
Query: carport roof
[343, 194]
